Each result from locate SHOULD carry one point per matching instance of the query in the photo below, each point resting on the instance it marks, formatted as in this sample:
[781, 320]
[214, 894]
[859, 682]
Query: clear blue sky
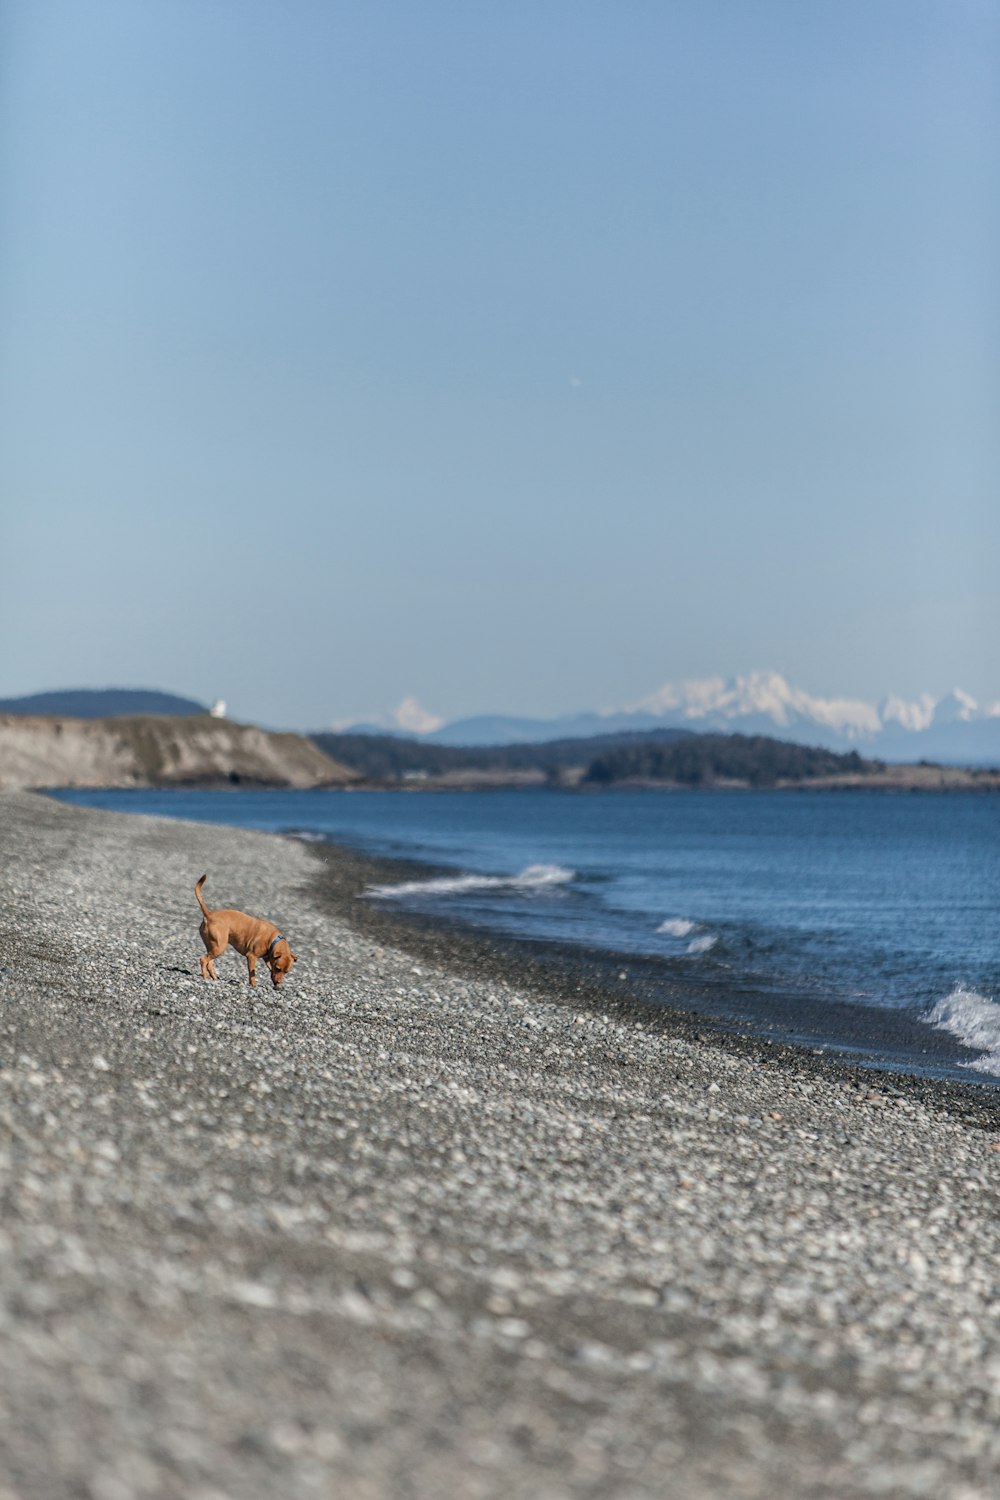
[515, 356]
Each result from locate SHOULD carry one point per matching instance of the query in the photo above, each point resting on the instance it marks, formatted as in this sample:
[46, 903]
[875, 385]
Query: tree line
[389, 757]
[706, 759]
[678, 756]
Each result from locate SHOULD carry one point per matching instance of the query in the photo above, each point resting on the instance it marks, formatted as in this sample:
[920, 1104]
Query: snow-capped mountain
[953, 728]
[762, 702]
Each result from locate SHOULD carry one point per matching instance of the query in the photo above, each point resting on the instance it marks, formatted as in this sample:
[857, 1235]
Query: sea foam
[532, 878]
[701, 944]
[676, 927]
[975, 1020]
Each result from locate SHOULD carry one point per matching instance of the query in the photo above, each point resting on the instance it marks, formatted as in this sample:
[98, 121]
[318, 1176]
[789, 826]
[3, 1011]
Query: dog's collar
[274, 943]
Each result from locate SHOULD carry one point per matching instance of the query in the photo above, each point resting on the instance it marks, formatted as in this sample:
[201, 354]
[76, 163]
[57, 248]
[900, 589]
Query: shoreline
[408, 1228]
[766, 1022]
[982, 780]
[585, 978]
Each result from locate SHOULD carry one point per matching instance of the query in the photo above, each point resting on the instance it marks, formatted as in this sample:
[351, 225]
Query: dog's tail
[197, 891]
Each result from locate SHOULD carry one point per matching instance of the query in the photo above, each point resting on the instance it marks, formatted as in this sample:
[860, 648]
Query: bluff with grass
[157, 750]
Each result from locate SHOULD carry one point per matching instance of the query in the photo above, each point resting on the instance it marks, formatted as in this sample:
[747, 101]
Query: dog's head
[279, 960]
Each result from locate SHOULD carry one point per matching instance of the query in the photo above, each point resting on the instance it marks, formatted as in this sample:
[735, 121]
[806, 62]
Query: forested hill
[676, 756]
[664, 758]
[102, 703]
[387, 757]
[708, 759]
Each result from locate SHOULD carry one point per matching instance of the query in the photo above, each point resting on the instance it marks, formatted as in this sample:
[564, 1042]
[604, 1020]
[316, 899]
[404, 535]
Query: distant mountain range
[953, 729]
[102, 703]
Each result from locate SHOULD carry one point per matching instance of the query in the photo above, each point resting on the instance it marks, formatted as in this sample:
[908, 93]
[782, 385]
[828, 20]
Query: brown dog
[251, 936]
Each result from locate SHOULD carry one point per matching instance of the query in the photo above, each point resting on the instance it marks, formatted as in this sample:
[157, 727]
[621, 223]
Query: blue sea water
[879, 906]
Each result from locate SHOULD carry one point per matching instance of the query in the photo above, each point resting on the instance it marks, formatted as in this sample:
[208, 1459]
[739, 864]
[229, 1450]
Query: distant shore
[902, 778]
[203, 751]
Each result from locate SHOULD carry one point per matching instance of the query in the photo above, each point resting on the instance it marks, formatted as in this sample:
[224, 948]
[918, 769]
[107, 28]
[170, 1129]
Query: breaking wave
[701, 944]
[975, 1021]
[532, 878]
[682, 927]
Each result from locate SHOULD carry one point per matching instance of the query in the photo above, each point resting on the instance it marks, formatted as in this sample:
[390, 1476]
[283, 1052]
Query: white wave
[534, 877]
[975, 1020]
[676, 927]
[701, 944]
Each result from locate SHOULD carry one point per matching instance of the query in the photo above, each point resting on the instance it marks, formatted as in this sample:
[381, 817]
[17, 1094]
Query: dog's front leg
[251, 966]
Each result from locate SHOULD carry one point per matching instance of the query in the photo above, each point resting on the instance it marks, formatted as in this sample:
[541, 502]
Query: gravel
[409, 1230]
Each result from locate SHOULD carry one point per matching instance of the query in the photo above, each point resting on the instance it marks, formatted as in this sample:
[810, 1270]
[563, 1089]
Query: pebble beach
[425, 1224]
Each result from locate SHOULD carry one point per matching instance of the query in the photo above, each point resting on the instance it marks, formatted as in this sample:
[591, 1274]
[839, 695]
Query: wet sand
[443, 1218]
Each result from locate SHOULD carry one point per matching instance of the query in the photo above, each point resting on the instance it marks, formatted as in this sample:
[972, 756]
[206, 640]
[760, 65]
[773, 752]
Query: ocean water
[861, 921]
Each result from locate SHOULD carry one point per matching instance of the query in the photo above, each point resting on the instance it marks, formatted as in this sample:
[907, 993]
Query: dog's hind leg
[213, 950]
